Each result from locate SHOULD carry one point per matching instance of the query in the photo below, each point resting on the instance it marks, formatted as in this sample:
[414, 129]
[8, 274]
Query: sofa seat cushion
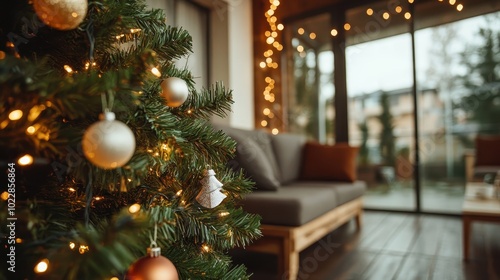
[291, 205]
[344, 192]
[302, 201]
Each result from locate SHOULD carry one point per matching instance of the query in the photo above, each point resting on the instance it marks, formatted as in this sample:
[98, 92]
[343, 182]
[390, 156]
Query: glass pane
[379, 87]
[310, 78]
[457, 56]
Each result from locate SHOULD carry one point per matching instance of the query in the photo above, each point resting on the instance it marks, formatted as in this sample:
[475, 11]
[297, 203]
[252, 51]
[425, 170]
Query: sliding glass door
[379, 87]
[423, 80]
[457, 60]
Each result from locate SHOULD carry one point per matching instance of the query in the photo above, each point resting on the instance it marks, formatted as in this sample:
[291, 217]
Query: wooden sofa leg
[359, 219]
[288, 261]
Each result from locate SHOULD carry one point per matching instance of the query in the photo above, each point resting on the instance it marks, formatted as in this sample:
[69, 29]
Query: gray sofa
[295, 213]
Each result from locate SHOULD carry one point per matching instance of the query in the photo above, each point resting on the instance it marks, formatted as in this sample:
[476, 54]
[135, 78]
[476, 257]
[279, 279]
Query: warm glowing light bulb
[205, 248]
[134, 208]
[386, 15]
[460, 7]
[42, 266]
[274, 34]
[25, 160]
[30, 130]
[280, 26]
[5, 195]
[275, 131]
[270, 12]
[72, 245]
[68, 68]
[452, 2]
[266, 111]
[178, 193]
[15, 115]
[300, 31]
[270, 40]
[276, 3]
[262, 123]
[347, 26]
[410, 1]
[269, 60]
[312, 35]
[267, 33]
[156, 72]
[83, 249]
[114, 278]
[398, 9]
[223, 214]
[300, 48]
[334, 32]
[369, 11]
[262, 64]
[407, 15]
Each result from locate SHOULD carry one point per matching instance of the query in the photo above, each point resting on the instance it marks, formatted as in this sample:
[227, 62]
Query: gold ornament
[61, 14]
[175, 91]
[210, 195]
[108, 143]
[154, 266]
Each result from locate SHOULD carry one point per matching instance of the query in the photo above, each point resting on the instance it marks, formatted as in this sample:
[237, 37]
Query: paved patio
[436, 197]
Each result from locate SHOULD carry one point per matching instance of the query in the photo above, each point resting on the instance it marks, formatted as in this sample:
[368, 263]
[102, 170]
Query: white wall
[241, 78]
[231, 55]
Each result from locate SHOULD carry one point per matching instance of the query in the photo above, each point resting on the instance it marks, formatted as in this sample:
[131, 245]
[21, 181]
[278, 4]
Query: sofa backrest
[288, 151]
[269, 160]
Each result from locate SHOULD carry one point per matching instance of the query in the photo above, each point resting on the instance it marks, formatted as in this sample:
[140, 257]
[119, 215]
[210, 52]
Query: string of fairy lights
[272, 35]
[271, 65]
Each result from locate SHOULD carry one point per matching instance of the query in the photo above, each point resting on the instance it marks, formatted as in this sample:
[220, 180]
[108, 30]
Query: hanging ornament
[175, 91]
[210, 195]
[154, 266]
[61, 14]
[108, 143]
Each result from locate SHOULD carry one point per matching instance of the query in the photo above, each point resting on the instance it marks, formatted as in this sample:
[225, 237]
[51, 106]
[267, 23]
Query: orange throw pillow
[332, 163]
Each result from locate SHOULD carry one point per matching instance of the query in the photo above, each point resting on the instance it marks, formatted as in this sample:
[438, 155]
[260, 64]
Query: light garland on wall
[271, 64]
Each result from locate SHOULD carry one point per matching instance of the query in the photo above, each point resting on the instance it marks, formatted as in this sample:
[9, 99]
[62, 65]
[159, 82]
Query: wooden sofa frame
[287, 241]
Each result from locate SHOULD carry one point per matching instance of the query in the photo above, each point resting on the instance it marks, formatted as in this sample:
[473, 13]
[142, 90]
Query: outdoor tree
[482, 81]
[364, 152]
[387, 146]
[107, 149]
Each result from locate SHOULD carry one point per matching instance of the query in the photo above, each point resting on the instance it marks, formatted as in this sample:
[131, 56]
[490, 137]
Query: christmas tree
[107, 149]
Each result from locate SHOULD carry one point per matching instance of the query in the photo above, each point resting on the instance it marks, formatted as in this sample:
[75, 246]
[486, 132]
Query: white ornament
[210, 195]
[175, 91]
[108, 143]
[61, 14]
